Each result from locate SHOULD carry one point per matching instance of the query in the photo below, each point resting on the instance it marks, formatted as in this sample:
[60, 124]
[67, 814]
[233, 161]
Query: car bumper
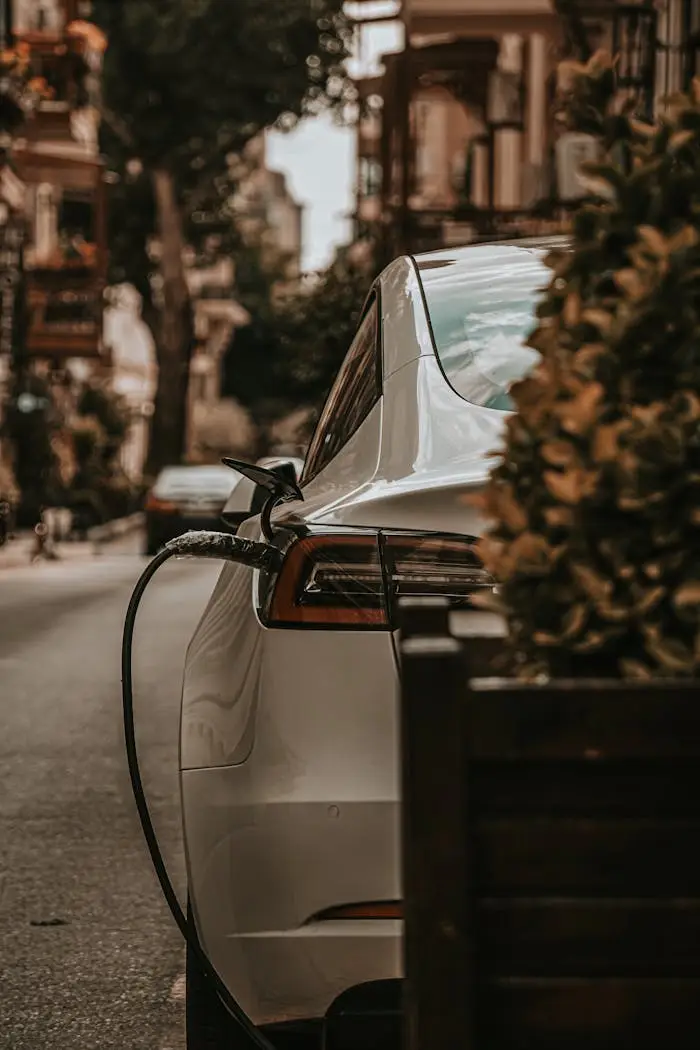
[368, 1015]
[263, 883]
[290, 788]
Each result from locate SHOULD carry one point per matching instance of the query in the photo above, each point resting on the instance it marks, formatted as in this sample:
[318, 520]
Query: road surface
[89, 957]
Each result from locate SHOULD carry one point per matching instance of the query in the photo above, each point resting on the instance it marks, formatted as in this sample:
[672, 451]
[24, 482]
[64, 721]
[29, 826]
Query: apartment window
[38, 16]
[370, 171]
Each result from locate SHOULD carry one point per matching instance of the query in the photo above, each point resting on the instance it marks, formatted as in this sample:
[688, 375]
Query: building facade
[56, 155]
[456, 140]
[53, 191]
[214, 424]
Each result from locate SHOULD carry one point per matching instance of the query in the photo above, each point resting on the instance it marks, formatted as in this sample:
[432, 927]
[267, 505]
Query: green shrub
[595, 501]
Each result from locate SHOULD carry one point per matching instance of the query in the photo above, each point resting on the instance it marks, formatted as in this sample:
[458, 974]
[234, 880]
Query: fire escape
[657, 47]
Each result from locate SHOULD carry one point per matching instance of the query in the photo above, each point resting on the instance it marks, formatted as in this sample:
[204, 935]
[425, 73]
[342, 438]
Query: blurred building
[56, 155]
[456, 140]
[270, 219]
[52, 193]
[133, 373]
[213, 424]
[267, 213]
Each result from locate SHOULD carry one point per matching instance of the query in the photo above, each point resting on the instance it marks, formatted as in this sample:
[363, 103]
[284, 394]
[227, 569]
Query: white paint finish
[222, 674]
[289, 742]
[426, 471]
[263, 871]
[405, 330]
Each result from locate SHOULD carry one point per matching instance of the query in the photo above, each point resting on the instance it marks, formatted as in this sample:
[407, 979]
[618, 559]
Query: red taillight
[330, 581]
[373, 910]
[165, 506]
[353, 580]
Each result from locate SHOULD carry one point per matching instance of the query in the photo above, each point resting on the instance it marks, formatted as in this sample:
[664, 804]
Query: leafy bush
[595, 501]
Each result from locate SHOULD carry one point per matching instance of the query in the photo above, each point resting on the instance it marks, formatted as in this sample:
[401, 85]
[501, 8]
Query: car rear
[290, 749]
[186, 498]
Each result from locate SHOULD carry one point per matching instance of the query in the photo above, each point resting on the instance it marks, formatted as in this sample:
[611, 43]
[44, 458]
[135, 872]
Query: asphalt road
[89, 957]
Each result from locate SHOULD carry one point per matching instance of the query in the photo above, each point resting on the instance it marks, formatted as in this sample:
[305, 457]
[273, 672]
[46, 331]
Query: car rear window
[217, 482]
[482, 310]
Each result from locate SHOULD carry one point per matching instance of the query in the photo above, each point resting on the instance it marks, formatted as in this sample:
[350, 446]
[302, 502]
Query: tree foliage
[186, 84]
[30, 433]
[289, 355]
[595, 502]
[99, 489]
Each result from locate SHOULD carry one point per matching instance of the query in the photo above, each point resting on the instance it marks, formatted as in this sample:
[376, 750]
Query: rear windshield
[482, 309]
[217, 482]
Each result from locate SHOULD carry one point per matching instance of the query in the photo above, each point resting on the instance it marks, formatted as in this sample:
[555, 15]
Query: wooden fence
[551, 847]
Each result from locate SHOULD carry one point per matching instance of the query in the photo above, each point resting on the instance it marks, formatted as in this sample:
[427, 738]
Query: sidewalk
[20, 551]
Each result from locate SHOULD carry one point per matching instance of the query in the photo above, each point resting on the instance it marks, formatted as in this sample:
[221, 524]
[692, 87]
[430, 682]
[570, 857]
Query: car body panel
[424, 469]
[289, 738]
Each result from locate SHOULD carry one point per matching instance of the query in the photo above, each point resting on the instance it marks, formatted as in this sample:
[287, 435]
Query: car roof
[407, 280]
[468, 253]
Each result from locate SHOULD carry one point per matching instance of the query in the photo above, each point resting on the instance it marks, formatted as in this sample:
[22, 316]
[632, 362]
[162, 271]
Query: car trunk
[196, 493]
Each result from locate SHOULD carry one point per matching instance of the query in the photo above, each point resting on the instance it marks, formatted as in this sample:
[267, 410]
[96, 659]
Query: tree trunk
[174, 335]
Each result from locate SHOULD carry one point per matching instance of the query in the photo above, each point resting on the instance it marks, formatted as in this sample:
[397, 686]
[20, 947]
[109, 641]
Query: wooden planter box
[551, 846]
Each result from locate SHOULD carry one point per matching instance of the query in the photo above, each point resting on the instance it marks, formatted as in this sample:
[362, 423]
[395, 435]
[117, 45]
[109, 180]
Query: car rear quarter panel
[231, 656]
[289, 748]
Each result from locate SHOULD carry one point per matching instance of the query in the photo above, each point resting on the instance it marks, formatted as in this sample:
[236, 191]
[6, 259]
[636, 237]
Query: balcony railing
[65, 315]
[433, 229]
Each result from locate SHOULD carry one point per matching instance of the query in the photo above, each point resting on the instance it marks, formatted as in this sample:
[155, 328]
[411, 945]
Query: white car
[290, 779]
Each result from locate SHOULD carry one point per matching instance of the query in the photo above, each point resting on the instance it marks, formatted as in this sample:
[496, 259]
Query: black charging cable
[203, 545]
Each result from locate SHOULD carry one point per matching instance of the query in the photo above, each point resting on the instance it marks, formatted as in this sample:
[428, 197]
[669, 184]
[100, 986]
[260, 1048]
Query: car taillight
[354, 580]
[165, 506]
[372, 910]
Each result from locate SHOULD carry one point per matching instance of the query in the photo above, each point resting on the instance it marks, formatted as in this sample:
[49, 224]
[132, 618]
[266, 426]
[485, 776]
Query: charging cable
[199, 545]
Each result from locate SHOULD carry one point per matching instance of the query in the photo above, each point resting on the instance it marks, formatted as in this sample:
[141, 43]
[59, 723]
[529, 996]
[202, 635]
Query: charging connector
[199, 545]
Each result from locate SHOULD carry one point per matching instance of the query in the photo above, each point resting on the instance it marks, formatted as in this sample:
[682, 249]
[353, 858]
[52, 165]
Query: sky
[318, 157]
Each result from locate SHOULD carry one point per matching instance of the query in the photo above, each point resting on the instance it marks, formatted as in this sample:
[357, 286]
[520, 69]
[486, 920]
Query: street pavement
[89, 956]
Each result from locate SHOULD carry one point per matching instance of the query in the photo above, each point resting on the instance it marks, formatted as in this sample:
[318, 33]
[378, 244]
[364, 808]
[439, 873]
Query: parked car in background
[289, 742]
[185, 498]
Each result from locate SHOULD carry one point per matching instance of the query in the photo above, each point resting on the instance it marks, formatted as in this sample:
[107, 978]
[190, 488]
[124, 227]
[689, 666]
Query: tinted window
[355, 392]
[482, 310]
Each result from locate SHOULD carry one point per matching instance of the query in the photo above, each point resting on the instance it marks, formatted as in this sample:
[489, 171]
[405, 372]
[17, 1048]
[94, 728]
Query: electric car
[289, 760]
